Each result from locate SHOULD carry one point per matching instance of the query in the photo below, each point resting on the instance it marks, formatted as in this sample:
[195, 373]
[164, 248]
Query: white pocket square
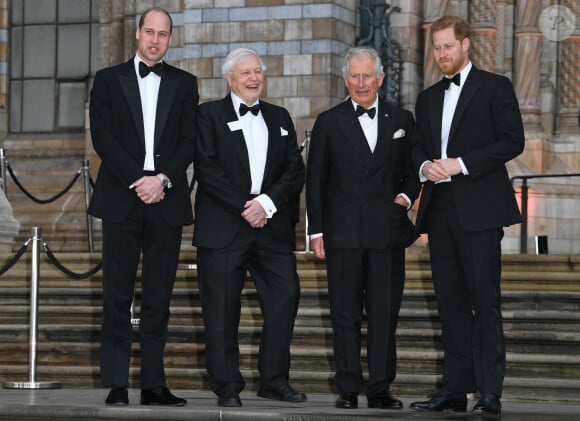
[283, 131]
[398, 134]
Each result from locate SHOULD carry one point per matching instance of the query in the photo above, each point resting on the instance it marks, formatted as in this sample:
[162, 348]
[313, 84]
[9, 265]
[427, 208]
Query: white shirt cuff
[267, 204]
[404, 196]
[317, 235]
[422, 178]
[463, 167]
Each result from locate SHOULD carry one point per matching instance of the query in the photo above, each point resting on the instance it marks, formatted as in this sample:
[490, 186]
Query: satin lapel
[235, 136]
[129, 85]
[384, 137]
[350, 126]
[472, 84]
[273, 134]
[436, 95]
[167, 90]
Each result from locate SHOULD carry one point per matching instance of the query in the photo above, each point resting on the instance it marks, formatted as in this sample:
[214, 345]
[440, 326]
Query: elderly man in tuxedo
[359, 187]
[249, 169]
[468, 126]
[142, 116]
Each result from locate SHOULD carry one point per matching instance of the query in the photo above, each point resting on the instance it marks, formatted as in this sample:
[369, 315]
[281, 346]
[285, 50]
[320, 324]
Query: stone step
[532, 389]
[312, 273]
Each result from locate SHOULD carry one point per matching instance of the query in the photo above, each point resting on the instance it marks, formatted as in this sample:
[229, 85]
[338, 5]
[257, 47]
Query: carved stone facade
[303, 42]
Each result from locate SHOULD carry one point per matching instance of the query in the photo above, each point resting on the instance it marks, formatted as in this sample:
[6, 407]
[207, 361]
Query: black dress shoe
[384, 400]
[230, 400]
[347, 401]
[163, 397]
[284, 393]
[488, 405]
[117, 396]
[442, 401]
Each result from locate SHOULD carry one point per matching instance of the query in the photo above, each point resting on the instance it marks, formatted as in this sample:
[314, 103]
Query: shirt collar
[136, 61]
[236, 100]
[375, 104]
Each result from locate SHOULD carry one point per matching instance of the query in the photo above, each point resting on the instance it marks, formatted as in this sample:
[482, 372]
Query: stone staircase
[540, 307]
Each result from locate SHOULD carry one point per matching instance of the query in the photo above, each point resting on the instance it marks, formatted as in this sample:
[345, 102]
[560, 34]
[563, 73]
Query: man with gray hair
[249, 169]
[359, 187]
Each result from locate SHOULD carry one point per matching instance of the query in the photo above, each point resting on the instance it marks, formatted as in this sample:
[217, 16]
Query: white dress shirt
[449, 104]
[149, 92]
[255, 133]
[370, 126]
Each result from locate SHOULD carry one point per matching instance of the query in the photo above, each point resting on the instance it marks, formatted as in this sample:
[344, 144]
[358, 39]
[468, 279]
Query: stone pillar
[527, 62]
[500, 41]
[569, 79]
[483, 25]
[4, 58]
[8, 225]
[433, 9]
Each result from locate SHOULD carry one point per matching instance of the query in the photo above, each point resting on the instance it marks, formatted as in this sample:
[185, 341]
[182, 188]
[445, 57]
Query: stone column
[569, 81]
[500, 41]
[9, 226]
[433, 9]
[527, 62]
[483, 25]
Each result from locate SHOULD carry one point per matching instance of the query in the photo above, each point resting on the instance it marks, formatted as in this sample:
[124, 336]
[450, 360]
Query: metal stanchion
[3, 165]
[87, 183]
[306, 147]
[32, 383]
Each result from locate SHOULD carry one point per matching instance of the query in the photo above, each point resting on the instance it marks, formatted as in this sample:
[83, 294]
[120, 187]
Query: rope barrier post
[32, 383]
[306, 236]
[87, 184]
[524, 225]
[3, 164]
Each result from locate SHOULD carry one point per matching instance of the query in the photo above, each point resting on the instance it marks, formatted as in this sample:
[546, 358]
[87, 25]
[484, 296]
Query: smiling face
[246, 79]
[153, 37]
[449, 53]
[362, 81]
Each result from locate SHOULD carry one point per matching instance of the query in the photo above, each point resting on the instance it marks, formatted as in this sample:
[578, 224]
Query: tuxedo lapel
[129, 85]
[350, 126]
[167, 91]
[273, 133]
[436, 96]
[384, 135]
[472, 84]
[236, 136]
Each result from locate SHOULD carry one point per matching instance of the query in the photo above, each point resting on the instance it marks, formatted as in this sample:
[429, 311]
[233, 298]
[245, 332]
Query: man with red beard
[468, 126]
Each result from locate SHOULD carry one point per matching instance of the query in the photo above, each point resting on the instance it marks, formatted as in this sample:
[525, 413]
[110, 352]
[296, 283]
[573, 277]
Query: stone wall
[303, 42]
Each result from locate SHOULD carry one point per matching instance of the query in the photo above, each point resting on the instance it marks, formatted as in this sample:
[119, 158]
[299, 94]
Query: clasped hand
[254, 214]
[441, 169]
[149, 189]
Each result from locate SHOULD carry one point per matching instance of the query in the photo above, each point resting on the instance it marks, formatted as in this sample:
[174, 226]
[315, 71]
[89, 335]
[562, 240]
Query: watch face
[165, 182]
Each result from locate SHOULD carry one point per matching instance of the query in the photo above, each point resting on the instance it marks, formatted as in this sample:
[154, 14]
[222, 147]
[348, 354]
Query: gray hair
[235, 56]
[362, 52]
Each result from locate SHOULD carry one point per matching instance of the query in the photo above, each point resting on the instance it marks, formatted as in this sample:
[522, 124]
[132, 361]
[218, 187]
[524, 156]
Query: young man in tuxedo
[468, 126]
[359, 187]
[249, 171]
[143, 125]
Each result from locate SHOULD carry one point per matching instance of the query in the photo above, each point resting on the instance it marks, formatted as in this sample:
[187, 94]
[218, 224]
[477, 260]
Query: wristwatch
[164, 182]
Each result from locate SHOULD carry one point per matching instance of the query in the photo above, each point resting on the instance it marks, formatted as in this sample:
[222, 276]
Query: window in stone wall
[53, 55]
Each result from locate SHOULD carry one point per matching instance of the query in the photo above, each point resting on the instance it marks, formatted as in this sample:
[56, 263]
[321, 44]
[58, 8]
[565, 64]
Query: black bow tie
[254, 109]
[361, 110]
[144, 70]
[447, 81]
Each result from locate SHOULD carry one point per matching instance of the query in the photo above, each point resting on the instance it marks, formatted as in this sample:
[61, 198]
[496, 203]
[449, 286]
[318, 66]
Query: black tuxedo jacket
[350, 190]
[486, 132]
[118, 138]
[223, 171]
